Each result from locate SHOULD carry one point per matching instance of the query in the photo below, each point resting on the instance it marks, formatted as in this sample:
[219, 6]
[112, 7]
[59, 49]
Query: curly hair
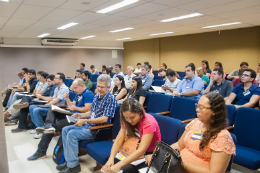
[218, 120]
[132, 105]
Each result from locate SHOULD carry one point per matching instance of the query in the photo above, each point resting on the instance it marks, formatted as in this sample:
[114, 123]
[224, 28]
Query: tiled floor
[22, 145]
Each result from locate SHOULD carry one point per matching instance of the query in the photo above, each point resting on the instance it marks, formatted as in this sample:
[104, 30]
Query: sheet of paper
[58, 109]
[158, 89]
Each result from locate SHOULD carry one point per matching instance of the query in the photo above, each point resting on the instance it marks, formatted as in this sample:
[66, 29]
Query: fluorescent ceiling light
[88, 37]
[43, 35]
[161, 33]
[119, 30]
[182, 17]
[67, 25]
[226, 24]
[5, 0]
[124, 38]
[116, 6]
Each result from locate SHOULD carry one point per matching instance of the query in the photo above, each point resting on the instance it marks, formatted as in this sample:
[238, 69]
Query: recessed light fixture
[161, 33]
[124, 38]
[182, 17]
[5, 0]
[225, 24]
[119, 30]
[67, 25]
[88, 37]
[116, 6]
[43, 35]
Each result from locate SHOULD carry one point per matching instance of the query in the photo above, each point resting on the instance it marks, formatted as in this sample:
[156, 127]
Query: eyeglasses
[102, 87]
[246, 75]
[201, 107]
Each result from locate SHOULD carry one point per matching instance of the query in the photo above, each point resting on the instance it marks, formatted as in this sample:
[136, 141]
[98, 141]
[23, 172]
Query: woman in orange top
[205, 146]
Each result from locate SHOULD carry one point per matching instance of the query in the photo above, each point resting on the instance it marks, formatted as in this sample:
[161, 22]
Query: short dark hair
[108, 71]
[149, 66]
[138, 64]
[78, 70]
[26, 70]
[118, 65]
[104, 67]
[192, 66]
[92, 66]
[51, 77]
[220, 71]
[253, 73]
[83, 64]
[32, 71]
[62, 76]
[240, 72]
[160, 70]
[19, 74]
[146, 63]
[170, 72]
[44, 75]
[164, 65]
[207, 63]
[243, 63]
[40, 72]
[219, 64]
[86, 73]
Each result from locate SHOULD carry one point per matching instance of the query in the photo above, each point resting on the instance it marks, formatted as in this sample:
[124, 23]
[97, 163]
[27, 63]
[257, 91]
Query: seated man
[218, 84]
[82, 66]
[246, 94]
[21, 81]
[162, 72]
[237, 81]
[46, 96]
[82, 103]
[138, 69]
[172, 82]
[85, 76]
[102, 110]
[128, 78]
[234, 74]
[147, 79]
[93, 69]
[118, 71]
[200, 73]
[191, 86]
[109, 73]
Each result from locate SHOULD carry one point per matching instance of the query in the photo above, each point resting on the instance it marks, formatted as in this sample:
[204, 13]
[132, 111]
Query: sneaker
[6, 119]
[61, 166]
[21, 105]
[76, 169]
[36, 156]
[11, 122]
[17, 130]
[33, 131]
[38, 136]
[47, 129]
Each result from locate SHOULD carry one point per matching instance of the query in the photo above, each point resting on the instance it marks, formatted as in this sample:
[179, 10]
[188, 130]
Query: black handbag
[165, 160]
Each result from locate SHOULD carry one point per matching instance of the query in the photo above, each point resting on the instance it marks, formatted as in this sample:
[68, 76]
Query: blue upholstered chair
[68, 82]
[94, 87]
[72, 95]
[158, 78]
[157, 82]
[205, 86]
[247, 132]
[94, 77]
[231, 112]
[159, 103]
[147, 99]
[155, 72]
[181, 74]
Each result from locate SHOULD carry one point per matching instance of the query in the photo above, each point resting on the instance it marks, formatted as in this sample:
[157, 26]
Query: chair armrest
[100, 127]
[163, 113]
[187, 121]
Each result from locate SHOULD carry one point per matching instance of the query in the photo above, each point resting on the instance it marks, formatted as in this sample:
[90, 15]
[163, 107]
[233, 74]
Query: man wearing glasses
[246, 94]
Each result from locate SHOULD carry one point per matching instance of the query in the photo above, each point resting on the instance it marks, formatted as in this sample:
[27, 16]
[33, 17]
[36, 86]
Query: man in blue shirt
[82, 67]
[192, 85]
[246, 94]
[102, 110]
[118, 72]
[147, 79]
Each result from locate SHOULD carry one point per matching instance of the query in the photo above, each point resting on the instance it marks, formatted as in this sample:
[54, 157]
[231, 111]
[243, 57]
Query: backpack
[29, 123]
[58, 153]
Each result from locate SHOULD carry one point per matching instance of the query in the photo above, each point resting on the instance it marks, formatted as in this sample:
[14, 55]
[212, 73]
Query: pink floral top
[192, 154]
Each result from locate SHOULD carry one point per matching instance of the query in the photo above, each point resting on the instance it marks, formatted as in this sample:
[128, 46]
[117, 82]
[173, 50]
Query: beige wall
[230, 47]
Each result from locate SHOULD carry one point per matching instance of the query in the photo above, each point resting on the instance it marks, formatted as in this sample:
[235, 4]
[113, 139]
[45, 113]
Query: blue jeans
[71, 135]
[13, 98]
[38, 115]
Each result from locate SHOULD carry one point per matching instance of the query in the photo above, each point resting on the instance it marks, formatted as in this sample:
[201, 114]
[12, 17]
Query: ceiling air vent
[59, 41]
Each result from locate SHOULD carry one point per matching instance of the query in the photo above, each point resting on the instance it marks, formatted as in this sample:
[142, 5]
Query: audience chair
[247, 132]
[157, 82]
[159, 103]
[94, 87]
[231, 112]
[205, 86]
[155, 73]
[68, 82]
[147, 99]
[72, 95]
[100, 72]
[94, 77]
[158, 78]
[181, 74]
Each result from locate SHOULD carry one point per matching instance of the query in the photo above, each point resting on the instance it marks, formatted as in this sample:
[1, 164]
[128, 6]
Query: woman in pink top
[205, 146]
[134, 122]
[219, 65]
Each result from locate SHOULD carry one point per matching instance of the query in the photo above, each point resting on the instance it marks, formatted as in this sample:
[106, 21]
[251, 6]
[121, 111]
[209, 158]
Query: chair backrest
[183, 108]
[205, 86]
[155, 73]
[116, 123]
[158, 78]
[72, 95]
[181, 73]
[169, 128]
[157, 82]
[68, 82]
[159, 103]
[231, 112]
[147, 98]
[99, 72]
[247, 128]
[182, 129]
[94, 77]
[94, 87]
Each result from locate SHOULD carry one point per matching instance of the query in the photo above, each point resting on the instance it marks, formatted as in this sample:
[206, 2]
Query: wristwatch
[181, 94]
[86, 121]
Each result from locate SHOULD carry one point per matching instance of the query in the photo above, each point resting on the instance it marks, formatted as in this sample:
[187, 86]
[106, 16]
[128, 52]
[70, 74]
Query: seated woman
[134, 122]
[163, 66]
[119, 90]
[137, 92]
[206, 69]
[162, 73]
[206, 146]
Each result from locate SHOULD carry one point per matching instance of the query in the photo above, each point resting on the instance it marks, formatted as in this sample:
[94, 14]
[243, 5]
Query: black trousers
[8, 93]
[131, 168]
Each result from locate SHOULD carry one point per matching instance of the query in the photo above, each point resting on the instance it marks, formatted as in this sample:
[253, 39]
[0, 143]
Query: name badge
[187, 87]
[196, 136]
[217, 91]
[129, 96]
[143, 81]
[137, 133]
[247, 93]
[116, 93]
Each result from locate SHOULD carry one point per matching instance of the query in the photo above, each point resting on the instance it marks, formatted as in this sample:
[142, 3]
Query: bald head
[200, 72]
[78, 86]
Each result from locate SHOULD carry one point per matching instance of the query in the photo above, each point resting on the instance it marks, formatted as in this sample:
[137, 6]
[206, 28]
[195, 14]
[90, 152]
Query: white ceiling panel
[3, 20]
[240, 12]
[61, 15]
[31, 12]
[247, 17]
[255, 23]
[52, 31]
[146, 24]
[202, 4]
[129, 22]
[46, 24]
[142, 10]
[45, 3]
[196, 20]
[173, 3]
[86, 27]
[20, 22]
[16, 1]
[31, 32]
[7, 9]
[7, 34]
[87, 17]
[109, 20]
[209, 23]
[12, 29]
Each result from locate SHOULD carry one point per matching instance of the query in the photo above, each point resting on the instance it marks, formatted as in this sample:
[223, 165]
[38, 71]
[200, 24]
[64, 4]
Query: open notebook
[158, 89]
[60, 110]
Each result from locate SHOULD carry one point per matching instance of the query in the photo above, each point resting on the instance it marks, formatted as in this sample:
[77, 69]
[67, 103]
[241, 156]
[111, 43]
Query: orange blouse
[191, 152]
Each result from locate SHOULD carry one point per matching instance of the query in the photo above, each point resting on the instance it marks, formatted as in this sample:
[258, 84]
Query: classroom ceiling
[30, 18]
